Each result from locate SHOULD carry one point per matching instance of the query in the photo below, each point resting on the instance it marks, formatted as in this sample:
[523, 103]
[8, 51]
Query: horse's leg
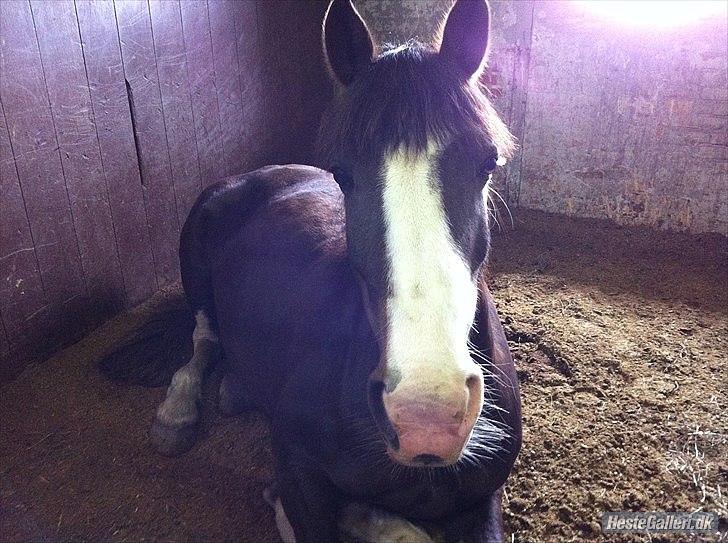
[285, 529]
[231, 401]
[483, 524]
[371, 525]
[175, 429]
[357, 522]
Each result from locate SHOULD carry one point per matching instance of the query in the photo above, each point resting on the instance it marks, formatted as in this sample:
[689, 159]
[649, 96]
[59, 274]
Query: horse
[350, 306]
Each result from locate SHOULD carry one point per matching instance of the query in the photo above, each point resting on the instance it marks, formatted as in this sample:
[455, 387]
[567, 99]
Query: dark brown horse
[351, 308]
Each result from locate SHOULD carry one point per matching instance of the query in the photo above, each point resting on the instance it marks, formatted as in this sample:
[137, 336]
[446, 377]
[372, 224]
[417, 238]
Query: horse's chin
[423, 461]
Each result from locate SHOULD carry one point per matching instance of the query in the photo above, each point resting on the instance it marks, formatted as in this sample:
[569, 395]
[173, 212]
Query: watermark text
[625, 521]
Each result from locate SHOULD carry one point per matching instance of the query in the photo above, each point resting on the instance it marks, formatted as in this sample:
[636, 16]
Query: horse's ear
[465, 36]
[347, 42]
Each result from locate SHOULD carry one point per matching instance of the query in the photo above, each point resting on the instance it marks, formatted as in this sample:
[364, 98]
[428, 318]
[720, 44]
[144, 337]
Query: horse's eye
[489, 166]
[342, 177]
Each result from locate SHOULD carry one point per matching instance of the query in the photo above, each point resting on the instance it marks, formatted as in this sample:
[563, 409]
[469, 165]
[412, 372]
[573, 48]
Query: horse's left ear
[465, 36]
[347, 42]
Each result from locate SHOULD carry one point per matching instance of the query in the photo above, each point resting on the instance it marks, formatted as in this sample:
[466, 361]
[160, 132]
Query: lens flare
[655, 12]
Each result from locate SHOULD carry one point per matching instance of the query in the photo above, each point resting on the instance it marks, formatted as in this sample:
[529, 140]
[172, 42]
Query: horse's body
[265, 253]
[292, 325]
[353, 318]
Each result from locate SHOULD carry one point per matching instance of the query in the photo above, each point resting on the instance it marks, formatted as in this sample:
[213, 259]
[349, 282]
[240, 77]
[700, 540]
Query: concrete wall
[627, 123]
[620, 121]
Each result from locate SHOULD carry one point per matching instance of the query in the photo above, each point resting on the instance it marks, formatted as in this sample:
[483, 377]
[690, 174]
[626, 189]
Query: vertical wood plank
[169, 48]
[227, 83]
[200, 67]
[252, 90]
[294, 72]
[268, 18]
[4, 342]
[92, 186]
[140, 70]
[6, 362]
[296, 84]
[65, 76]
[50, 328]
[32, 325]
[30, 126]
[21, 287]
[102, 56]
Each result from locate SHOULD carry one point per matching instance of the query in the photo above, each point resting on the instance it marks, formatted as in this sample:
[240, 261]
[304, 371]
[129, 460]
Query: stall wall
[615, 118]
[627, 121]
[114, 116]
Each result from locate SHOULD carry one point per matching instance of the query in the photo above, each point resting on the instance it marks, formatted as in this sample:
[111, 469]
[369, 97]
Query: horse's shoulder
[251, 189]
[224, 207]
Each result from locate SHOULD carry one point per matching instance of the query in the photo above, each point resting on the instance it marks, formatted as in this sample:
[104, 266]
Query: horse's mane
[408, 97]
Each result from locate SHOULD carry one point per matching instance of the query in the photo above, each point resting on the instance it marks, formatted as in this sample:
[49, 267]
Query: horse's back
[266, 252]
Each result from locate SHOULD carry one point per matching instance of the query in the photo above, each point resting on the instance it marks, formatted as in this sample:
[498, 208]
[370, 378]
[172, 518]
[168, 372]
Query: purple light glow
[661, 13]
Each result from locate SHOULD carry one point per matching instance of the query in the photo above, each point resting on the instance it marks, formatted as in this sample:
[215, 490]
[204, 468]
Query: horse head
[412, 141]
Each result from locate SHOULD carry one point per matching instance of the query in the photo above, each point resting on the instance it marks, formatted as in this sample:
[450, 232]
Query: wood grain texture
[511, 54]
[72, 114]
[227, 82]
[33, 140]
[201, 71]
[102, 56]
[113, 117]
[21, 287]
[140, 71]
[272, 79]
[169, 48]
[252, 90]
[4, 341]
[297, 87]
[23, 306]
[63, 314]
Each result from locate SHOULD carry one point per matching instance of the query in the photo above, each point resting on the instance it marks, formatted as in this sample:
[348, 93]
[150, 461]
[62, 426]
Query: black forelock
[407, 97]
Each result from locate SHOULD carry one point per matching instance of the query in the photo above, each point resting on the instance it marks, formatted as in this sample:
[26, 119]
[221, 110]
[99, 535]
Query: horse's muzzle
[431, 427]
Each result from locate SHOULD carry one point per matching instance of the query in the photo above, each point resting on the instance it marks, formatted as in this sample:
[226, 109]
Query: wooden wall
[113, 117]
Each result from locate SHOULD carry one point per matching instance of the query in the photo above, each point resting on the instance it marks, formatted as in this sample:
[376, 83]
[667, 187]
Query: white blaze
[433, 299]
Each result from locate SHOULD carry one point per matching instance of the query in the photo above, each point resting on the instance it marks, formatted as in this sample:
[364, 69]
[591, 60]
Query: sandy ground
[620, 337]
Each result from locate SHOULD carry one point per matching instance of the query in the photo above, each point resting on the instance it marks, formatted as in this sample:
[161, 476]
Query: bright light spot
[656, 12]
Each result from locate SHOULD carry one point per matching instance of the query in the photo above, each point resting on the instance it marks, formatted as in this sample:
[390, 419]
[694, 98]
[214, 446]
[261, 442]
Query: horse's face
[412, 142]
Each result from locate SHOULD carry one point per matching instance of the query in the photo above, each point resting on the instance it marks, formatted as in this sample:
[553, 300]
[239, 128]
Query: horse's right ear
[465, 36]
[347, 42]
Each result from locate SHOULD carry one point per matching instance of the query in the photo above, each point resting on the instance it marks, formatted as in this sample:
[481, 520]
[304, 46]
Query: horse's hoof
[173, 441]
[230, 401]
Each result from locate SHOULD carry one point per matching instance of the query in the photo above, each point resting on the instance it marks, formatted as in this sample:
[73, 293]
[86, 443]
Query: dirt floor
[620, 337]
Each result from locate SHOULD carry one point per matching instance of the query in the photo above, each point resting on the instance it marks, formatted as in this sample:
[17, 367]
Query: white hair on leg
[180, 406]
[371, 525]
[364, 523]
[285, 530]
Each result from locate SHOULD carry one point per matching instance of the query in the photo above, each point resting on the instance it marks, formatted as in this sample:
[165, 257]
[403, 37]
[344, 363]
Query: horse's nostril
[427, 459]
[376, 405]
[474, 383]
